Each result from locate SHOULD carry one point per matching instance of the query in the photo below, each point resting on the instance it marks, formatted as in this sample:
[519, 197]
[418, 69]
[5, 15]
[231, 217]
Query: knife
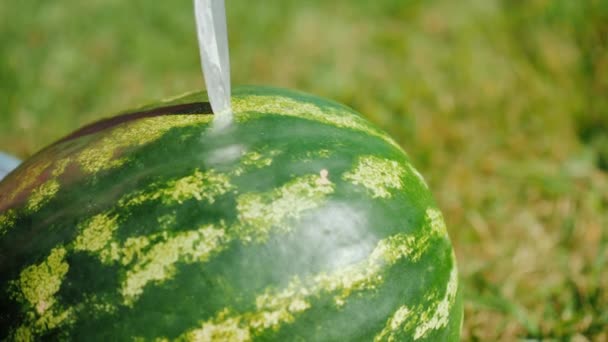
[213, 45]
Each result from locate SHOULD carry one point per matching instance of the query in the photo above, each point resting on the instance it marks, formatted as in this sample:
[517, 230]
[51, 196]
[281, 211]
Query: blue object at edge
[7, 164]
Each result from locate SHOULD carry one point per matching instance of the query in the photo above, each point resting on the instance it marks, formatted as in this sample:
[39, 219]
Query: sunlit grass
[503, 105]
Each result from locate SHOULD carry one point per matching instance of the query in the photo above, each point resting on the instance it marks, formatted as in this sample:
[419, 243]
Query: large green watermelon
[300, 222]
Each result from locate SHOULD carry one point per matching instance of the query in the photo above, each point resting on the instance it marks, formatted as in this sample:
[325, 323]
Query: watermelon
[299, 222]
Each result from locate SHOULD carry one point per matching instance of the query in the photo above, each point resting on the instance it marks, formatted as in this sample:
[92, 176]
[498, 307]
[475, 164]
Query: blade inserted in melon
[213, 44]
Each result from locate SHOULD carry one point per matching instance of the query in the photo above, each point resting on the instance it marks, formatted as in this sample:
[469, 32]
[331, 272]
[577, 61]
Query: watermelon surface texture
[300, 222]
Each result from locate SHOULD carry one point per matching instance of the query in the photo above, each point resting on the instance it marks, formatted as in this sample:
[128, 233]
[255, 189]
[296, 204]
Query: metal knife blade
[213, 44]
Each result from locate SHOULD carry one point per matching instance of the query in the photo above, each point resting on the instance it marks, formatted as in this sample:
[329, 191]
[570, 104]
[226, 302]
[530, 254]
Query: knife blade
[215, 59]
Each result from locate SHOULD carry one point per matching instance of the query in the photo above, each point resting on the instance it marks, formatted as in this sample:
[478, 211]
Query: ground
[501, 105]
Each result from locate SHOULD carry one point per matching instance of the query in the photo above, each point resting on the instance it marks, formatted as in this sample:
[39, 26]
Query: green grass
[503, 105]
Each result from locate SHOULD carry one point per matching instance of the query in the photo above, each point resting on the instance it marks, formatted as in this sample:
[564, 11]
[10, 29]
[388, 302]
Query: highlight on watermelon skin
[301, 221]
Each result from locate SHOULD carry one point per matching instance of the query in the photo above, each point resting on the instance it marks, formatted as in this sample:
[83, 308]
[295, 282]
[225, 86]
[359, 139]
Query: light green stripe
[7, 221]
[42, 194]
[26, 178]
[278, 307]
[158, 264]
[36, 288]
[260, 214]
[202, 186]
[420, 320]
[96, 233]
[38, 284]
[245, 108]
[439, 316]
[101, 155]
[380, 176]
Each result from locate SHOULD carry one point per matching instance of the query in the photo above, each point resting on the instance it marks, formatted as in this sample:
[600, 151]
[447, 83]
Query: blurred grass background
[502, 104]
